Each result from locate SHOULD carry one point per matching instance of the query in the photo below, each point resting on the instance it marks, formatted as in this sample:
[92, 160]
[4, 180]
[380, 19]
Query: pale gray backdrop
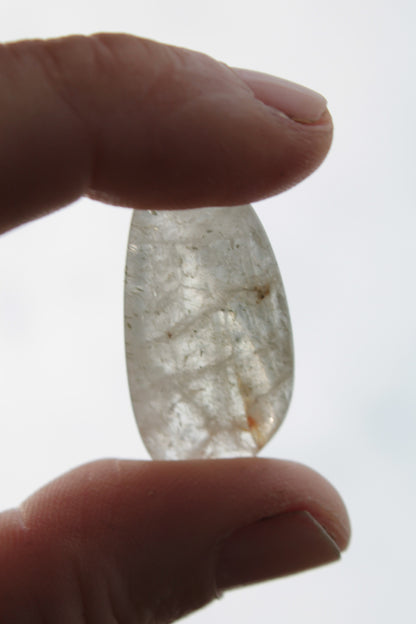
[344, 240]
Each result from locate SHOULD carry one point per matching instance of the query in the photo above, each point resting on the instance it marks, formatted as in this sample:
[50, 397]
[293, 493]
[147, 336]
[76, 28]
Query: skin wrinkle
[116, 592]
[170, 73]
[61, 84]
[82, 595]
[147, 80]
[196, 85]
[28, 76]
[39, 577]
[59, 79]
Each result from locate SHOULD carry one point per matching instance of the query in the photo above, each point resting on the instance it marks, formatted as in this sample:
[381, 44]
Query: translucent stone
[208, 337]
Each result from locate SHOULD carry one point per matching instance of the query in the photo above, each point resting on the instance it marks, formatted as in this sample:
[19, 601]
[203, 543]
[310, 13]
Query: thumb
[131, 541]
[146, 125]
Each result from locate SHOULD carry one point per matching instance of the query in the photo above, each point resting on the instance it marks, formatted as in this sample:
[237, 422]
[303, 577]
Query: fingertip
[160, 538]
[285, 544]
[137, 123]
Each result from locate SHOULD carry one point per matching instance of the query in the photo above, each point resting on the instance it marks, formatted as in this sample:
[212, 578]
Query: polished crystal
[208, 337]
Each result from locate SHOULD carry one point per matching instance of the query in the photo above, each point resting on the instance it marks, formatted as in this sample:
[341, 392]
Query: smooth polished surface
[208, 338]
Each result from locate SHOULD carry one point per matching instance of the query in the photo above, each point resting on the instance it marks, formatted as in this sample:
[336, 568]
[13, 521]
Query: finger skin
[136, 123]
[139, 540]
[141, 124]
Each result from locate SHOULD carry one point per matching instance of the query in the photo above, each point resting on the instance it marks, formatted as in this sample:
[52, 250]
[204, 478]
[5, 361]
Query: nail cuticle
[295, 101]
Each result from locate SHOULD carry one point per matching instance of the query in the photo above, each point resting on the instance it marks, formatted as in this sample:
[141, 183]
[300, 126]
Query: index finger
[137, 123]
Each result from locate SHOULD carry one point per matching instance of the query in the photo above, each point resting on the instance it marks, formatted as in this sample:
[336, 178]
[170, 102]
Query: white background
[344, 240]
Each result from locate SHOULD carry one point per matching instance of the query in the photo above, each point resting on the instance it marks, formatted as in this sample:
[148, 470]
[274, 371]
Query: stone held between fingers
[208, 337]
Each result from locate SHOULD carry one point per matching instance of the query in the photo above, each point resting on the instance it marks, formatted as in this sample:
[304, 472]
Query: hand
[139, 124]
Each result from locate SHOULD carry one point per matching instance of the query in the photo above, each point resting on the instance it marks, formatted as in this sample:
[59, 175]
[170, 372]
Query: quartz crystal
[208, 338]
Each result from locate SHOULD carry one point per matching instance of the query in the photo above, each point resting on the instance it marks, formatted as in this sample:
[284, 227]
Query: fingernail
[297, 102]
[277, 546]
